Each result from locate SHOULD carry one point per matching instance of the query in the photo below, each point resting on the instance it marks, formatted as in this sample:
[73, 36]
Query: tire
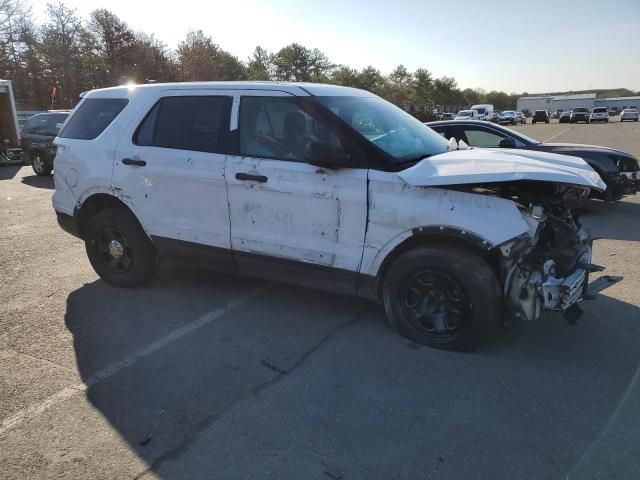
[449, 278]
[40, 165]
[131, 260]
[546, 121]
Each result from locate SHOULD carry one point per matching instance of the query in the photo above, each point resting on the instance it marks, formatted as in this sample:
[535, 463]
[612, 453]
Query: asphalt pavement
[204, 375]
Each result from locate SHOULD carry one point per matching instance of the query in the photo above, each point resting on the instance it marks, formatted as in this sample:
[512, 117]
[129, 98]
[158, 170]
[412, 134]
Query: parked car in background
[540, 116]
[493, 117]
[579, 114]
[508, 116]
[467, 115]
[556, 114]
[521, 118]
[484, 110]
[618, 169]
[565, 117]
[149, 172]
[37, 140]
[448, 116]
[599, 114]
[629, 114]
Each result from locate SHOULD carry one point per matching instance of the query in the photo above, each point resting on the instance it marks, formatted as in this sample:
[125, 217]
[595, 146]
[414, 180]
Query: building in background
[551, 103]
[618, 103]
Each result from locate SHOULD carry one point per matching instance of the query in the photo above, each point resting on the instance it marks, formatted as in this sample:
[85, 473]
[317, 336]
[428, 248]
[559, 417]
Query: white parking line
[33, 411]
[556, 135]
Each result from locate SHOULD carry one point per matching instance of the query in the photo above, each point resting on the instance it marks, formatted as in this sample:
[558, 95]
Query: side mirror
[507, 142]
[326, 154]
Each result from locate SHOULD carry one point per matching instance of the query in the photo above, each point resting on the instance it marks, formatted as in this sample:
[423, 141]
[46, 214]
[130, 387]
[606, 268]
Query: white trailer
[9, 146]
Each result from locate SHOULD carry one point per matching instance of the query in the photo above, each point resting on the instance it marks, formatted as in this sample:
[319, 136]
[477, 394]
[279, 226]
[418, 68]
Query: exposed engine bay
[548, 267]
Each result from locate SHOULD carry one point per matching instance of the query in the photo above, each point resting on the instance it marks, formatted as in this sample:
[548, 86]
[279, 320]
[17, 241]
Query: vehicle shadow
[613, 220]
[160, 396]
[39, 181]
[9, 171]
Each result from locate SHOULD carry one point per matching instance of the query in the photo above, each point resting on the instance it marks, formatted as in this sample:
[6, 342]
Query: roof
[578, 96]
[293, 88]
[622, 99]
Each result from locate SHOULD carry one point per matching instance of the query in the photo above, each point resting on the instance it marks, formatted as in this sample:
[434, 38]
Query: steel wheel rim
[38, 163]
[114, 249]
[436, 305]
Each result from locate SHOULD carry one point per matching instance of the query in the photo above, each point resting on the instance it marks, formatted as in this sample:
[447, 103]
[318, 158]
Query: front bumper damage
[533, 285]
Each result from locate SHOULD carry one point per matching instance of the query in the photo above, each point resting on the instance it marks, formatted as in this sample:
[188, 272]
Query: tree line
[51, 63]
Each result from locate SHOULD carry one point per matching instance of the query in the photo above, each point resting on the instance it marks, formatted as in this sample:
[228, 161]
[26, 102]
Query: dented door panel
[301, 212]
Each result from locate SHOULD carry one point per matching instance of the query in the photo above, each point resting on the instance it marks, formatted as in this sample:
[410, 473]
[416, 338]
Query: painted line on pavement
[33, 411]
[557, 134]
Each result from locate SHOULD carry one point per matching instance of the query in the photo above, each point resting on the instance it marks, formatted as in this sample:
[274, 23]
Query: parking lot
[202, 375]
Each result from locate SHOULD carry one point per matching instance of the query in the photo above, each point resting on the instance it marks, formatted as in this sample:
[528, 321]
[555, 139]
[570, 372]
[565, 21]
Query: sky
[532, 46]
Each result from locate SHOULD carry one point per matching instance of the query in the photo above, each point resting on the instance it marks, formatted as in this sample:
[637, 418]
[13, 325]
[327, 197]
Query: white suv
[599, 114]
[327, 187]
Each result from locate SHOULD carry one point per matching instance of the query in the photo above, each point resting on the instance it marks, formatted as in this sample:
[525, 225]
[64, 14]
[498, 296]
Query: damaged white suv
[326, 187]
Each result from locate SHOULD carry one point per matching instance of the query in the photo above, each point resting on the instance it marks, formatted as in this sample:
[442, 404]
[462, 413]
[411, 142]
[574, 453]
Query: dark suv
[37, 140]
[540, 116]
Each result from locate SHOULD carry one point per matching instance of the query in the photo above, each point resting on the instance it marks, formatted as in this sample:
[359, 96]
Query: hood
[461, 167]
[578, 147]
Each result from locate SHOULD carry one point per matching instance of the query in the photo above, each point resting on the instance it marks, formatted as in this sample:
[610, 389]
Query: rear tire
[443, 297]
[119, 249]
[40, 165]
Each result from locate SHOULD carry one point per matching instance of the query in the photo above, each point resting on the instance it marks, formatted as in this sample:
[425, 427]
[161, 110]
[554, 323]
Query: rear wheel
[119, 249]
[443, 297]
[40, 164]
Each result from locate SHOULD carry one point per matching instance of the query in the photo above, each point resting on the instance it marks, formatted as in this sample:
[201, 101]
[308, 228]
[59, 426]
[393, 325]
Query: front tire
[119, 249]
[40, 165]
[443, 297]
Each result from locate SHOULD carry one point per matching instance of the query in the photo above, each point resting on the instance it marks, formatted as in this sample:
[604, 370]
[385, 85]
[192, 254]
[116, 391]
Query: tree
[444, 91]
[300, 64]
[61, 57]
[422, 87]
[259, 66]
[202, 59]
[115, 44]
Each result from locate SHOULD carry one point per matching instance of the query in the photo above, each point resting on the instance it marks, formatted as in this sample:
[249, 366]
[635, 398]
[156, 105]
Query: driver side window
[476, 137]
[278, 128]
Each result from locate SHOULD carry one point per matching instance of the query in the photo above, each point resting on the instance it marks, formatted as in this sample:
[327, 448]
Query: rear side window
[46, 124]
[198, 124]
[92, 117]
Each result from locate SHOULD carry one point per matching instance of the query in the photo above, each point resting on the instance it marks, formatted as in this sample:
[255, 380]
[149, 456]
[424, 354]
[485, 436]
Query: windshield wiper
[415, 158]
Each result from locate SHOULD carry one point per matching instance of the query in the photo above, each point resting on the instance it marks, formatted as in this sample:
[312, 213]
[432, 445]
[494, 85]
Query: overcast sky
[516, 46]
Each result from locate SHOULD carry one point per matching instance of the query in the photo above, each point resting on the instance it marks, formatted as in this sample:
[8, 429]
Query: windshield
[480, 110]
[507, 114]
[388, 127]
[599, 110]
[579, 110]
[465, 113]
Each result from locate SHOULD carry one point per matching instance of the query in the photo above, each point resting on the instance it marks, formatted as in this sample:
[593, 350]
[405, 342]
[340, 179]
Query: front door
[291, 220]
[172, 169]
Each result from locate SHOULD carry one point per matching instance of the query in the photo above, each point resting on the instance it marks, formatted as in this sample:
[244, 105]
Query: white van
[326, 187]
[484, 110]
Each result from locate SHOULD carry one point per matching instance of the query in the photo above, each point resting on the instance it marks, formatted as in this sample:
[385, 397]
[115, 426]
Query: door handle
[248, 176]
[131, 161]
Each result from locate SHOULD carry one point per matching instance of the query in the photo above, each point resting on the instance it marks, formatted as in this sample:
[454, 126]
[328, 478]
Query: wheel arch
[96, 202]
[431, 236]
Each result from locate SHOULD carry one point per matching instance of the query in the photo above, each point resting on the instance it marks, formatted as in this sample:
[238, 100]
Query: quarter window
[482, 138]
[276, 127]
[198, 124]
[92, 116]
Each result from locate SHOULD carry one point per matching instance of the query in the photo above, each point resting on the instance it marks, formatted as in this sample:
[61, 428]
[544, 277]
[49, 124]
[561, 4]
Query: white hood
[500, 165]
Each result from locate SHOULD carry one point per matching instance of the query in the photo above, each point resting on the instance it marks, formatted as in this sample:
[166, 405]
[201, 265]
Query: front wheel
[443, 297]
[119, 249]
[40, 164]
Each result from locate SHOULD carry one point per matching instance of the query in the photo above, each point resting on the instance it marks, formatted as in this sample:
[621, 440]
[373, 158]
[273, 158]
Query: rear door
[171, 171]
[291, 220]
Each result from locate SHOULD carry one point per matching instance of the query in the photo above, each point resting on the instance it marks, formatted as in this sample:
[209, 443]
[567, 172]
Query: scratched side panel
[396, 208]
